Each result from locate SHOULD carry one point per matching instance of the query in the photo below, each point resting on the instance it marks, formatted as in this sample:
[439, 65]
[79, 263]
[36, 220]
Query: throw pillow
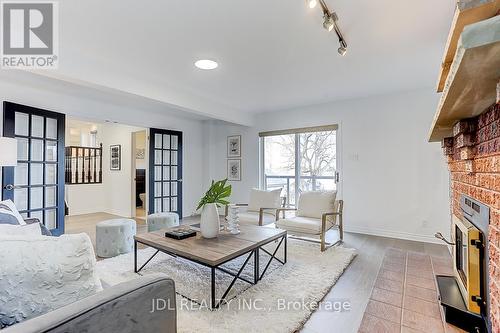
[314, 204]
[28, 230]
[6, 217]
[264, 199]
[41, 274]
[10, 206]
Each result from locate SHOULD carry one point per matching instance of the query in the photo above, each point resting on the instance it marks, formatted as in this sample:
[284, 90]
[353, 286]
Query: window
[299, 160]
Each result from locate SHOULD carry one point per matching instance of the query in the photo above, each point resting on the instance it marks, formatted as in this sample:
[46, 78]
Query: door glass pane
[166, 204]
[166, 141]
[36, 197]
[21, 198]
[157, 156]
[37, 126]
[22, 149]
[174, 189]
[166, 157]
[158, 205]
[317, 161]
[21, 174]
[50, 196]
[36, 174]
[51, 218]
[51, 152]
[158, 141]
[175, 140]
[174, 173]
[157, 173]
[51, 128]
[173, 205]
[166, 173]
[36, 150]
[279, 165]
[157, 189]
[37, 215]
[173, 159]
[166, 189]
[50, 174]
[21, 123]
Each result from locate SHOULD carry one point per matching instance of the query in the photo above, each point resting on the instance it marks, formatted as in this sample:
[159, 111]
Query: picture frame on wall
[234, 169]
[234, 146]
[115, 157]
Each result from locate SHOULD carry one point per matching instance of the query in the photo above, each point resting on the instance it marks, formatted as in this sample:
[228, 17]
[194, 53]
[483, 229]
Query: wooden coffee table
[215, 252]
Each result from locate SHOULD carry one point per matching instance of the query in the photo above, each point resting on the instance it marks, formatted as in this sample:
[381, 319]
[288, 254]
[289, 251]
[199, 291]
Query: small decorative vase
[210, 224]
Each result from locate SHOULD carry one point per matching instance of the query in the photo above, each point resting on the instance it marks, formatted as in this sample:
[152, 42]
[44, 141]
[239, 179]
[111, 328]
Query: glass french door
[165, 171]
[36, 184]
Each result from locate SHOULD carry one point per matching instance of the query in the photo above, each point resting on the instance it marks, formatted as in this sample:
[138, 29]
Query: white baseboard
[393, 234]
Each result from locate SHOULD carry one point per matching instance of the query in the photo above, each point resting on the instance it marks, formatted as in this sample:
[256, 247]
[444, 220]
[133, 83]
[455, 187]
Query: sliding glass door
[300, 160]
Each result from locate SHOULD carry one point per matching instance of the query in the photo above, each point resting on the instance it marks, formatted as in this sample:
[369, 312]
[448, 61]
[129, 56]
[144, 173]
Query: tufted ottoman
[159, 221]
[114, 237]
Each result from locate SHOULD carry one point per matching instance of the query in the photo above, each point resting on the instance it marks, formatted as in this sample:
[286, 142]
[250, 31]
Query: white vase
[210, 224]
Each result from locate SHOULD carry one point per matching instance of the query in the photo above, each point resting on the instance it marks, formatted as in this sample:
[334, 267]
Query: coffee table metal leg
[135, 256]
[286, 247]
[212, 293]
[256, 267]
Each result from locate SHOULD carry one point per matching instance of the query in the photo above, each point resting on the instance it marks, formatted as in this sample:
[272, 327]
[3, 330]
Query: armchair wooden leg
[341, 228]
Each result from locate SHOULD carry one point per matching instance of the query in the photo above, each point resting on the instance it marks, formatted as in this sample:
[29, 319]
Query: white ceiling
[272, 54]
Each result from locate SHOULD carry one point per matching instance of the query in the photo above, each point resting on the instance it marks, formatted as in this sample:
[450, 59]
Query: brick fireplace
[474, 161]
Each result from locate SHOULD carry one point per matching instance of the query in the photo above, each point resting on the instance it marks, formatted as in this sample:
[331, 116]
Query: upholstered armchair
[261, 209]
[316, 213]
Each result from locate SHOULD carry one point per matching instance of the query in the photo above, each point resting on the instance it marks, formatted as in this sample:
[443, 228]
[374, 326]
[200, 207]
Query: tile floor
[404, 297]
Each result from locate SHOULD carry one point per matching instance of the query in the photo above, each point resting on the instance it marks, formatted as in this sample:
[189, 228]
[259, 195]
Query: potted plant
[215, 196]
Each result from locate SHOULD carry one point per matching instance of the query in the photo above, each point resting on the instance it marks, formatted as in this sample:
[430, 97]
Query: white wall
[394, 182]
[77, 105]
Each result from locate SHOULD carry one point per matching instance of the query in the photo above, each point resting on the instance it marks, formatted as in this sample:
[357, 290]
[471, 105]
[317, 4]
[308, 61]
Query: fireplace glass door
[461, 256]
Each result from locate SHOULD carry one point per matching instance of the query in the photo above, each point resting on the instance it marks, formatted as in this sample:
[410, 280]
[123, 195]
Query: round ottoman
[115, 237]
[159, 221]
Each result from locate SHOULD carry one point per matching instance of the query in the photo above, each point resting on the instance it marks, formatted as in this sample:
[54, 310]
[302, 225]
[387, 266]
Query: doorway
[139, 171]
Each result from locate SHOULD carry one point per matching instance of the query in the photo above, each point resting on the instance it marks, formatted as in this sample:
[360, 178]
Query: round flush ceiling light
[206, 64]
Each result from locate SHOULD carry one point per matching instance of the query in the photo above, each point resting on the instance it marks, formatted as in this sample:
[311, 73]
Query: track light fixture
[330, 20]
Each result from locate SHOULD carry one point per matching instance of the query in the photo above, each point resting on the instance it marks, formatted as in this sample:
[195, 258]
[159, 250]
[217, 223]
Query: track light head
[342, 51]
[328, 22]
[312, 3]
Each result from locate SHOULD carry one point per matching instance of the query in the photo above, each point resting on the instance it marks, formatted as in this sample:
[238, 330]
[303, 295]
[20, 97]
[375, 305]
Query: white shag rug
[279, 303]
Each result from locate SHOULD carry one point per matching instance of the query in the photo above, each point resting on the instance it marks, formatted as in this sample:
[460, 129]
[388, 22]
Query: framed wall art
[234, 146]
[234, 169]
[115, 157]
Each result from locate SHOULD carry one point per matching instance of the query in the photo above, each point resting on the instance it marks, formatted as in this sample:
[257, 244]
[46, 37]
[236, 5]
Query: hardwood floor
[354, 286]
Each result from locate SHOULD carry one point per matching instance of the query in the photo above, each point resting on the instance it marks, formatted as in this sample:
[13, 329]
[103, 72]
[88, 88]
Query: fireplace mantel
[471, 84]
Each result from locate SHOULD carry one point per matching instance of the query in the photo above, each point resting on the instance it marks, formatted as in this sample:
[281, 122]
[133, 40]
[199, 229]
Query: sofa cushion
[303, 225]
[315, 204]
[253, 218]
[29, 230]
[40, 274]
[9, 206]
[264, 199]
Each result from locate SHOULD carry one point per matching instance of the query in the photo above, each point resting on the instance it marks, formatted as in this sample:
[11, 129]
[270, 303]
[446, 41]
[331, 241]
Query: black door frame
[9, 110]
[151, 166]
